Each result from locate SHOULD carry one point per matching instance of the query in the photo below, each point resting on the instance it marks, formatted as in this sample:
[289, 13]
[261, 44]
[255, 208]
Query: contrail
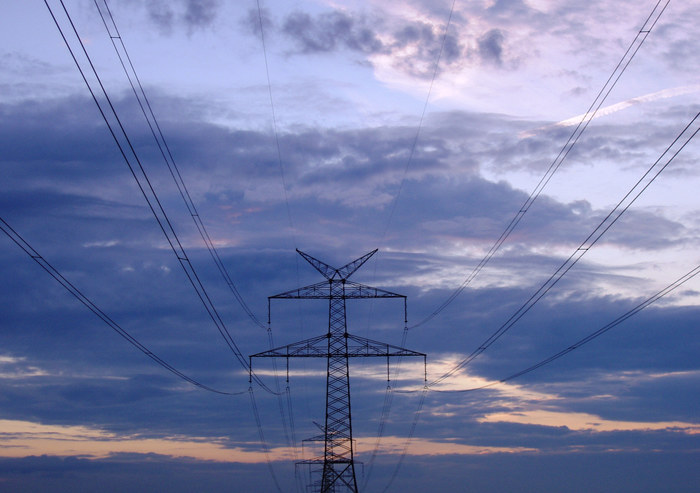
[614, 108]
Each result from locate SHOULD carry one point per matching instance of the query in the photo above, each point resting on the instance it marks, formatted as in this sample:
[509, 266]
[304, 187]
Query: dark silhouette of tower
[337, 346]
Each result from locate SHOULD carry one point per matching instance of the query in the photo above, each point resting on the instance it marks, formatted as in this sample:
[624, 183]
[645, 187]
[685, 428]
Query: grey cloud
[200, 13]
[641, 229]
[161, 14]
[491, 47]
[344, 169]
[24, 65]
[338, 30]
[426, 42]
[192, 14]
[255, 17]
[331, 31]
[415, 33]
[334, 178]
[642, 472]
[138, 473]
[414, 46]
[511, 8]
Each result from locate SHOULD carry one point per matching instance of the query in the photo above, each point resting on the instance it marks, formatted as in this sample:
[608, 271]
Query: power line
[386, 408]
[620, 208]
[146, 187]
[668, 289]
[602, 95]
[274, 124]
[182, 189]
[416, 417]
[157, 133]
[388, 395]
[622, 318]
[592, 238]
[600, 98]
[420, 121]
[288, 418]
[80, 296]
[263, 442]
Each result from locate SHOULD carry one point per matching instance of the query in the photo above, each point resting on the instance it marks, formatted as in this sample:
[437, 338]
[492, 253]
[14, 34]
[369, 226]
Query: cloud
[588, 422]
[330, 31]
[200, 13]
[491, 47]
[12, 367]
[130, 472]
[72, 388]
[412, 46]
[343, 176]
[255, 17]
[192, 14]
[614, 108]
[24, 438]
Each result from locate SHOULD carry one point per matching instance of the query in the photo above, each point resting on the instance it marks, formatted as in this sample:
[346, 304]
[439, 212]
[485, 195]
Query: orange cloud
[24, 438]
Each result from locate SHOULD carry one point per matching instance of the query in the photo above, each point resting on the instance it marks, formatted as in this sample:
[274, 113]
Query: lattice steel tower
[337, 346]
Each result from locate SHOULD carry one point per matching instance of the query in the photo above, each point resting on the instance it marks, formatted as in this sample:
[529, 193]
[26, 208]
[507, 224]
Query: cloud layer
[349, 169]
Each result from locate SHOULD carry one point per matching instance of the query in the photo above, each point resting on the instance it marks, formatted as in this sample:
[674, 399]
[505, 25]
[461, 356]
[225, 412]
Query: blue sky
[81, 409]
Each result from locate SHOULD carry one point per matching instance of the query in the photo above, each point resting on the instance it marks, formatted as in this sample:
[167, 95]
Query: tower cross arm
[320, 290]
[330, 272]
[363, 347]
[317, 347]
[357, 290]
[348, 269]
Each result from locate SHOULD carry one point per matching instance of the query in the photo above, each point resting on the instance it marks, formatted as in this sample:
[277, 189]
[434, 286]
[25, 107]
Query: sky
[337, 135]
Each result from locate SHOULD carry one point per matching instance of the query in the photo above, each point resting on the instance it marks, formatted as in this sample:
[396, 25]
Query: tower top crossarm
[331, 273]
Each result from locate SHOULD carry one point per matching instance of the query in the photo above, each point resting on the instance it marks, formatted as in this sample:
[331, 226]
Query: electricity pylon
[337, 346]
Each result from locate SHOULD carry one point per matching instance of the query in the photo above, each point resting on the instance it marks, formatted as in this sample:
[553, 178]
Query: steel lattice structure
[337, 346]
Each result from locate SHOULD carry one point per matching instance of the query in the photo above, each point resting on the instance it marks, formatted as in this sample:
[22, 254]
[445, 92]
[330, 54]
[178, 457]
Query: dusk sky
[337, 135]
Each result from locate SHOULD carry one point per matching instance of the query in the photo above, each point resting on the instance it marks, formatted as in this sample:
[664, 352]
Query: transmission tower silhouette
[337, 465]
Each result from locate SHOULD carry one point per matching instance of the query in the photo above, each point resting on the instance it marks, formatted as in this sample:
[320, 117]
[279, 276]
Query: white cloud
[585, 421]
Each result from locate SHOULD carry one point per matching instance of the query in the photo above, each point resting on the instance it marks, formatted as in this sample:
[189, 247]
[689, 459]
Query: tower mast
[337, 346]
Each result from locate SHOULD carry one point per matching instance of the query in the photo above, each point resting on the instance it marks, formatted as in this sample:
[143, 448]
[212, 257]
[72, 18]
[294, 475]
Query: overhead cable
[263, 442]
[669, 154]
[388, 395]
[404, 452]
[80, 296]
[288, 417]
[126, 148]
[420, 121]
[147, 111]
[157, 133]
[274, 125]
[600, 98]
[593, 335]
[386, 407]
